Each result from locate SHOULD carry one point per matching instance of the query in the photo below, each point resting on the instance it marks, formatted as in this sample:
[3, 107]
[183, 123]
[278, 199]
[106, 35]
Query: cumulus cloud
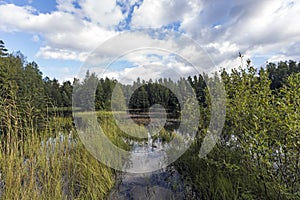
[225, 28]
[159, 13]
[266, 29]
[56, 53]
[106, 13]
[148, 71]
[63, 31]
[147, 56]
[249, 27]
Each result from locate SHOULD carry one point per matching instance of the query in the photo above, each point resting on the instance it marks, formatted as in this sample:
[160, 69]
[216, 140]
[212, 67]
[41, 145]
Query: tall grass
[32, 169]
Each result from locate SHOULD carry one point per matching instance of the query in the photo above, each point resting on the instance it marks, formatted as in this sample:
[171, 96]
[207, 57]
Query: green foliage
[257, 156]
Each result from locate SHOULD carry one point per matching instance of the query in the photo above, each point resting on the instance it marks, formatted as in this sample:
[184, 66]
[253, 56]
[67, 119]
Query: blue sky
[59, 35]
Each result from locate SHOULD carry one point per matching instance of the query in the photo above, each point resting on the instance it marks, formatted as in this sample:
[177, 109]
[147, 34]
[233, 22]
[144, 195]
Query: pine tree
[3, 50]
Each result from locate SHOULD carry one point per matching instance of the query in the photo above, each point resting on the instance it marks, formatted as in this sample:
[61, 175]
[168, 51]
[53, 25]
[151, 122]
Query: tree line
[23, 81]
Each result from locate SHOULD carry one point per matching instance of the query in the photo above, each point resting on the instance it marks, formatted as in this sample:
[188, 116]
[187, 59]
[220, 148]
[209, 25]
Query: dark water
[165, 183]
[158, 185]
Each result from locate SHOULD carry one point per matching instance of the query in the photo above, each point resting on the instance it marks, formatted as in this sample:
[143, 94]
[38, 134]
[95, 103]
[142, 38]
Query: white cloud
[106, 13]
[250, 27]
[67, 6]
[52, 53]
[11, 14]
[150, 57]
[268, 29]
[163, 12]
[141, 49]
[146, 72]
[62, 31]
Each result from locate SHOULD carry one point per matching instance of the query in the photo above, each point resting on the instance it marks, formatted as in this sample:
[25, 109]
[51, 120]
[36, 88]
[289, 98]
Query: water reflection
[165, 183]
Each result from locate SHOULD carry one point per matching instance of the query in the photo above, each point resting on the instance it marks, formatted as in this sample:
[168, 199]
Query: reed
[34, 167]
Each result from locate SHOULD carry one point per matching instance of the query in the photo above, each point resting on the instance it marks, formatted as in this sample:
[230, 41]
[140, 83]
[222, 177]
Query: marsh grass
[67, 172]
[32, 169]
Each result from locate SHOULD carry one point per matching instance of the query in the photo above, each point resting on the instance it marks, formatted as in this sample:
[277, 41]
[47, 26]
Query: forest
[257, 156]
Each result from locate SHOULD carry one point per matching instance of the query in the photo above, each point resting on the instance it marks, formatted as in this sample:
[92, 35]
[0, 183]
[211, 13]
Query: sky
[149, 38]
